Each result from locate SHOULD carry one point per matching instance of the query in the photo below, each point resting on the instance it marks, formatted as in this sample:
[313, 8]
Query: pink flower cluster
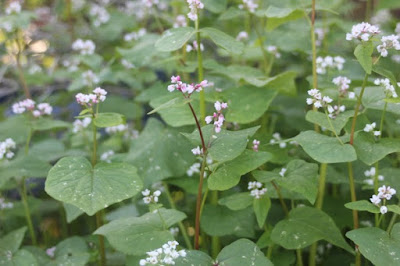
[177, 84]
[194, 6]
[98, 95]
[29, 105]
[256, 143]
[217, 117]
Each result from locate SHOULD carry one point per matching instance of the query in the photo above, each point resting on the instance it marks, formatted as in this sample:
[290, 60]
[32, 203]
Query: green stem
[19, 66]
[200, 73]
[353, 125]
[215, 241]
[27, 211]
[299, 257]
[28, 141]
[355, 212]
[284, 206]
[391, 223]
[198, 205]
[99, 223]
[180, 224]
[262, 48]
[333, 129]
[269, 250]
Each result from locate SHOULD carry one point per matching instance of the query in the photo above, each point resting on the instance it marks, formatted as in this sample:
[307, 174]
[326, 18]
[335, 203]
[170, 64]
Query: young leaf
[12, 241]
[305, 226]
[71, 251]
[237, 201]
[362, 205]
[261, 207]
[43, 123]
[224, 40]
[277, 15]
[109, 119]
[338, 122]
[174, 39]
[178, 101]
[363, 53]
[73, 180]
[377, 245]
[242, 252]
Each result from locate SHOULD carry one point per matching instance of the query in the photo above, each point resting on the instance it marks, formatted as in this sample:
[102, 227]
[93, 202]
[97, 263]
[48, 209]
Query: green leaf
[224, 40]
[215, 6]
[305, 226]
[47, 150]
[242, 252]
[71, 251]
[28, 166]
[301, 177]
[43, 123]
[231, 13]
[15, 126]
[371, 151]
[377, 245]
[175, 102]
[228, 144]
[325, 149]
[160, 152]
[109, 119]
[374, 98]
[73, 180]
[194, 257]
[248, 103]
[378, 69]
[138, 235]
[321, 119]
[20, 258]
[277, 16]
[72, 212]
[237, 201]
[363, 53]
[228, 174]
[261, 207]
[12, 241]
[362, 205]
[124, 106]
[174, 39]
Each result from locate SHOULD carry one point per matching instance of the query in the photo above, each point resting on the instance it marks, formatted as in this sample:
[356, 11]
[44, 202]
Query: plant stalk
[353, 125]
[200, 73]
[19, 68]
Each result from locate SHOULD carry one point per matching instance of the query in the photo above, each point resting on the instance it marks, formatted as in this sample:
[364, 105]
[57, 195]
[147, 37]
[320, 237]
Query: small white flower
[375, 199]
[383, 209]
[13, 7]
[282, 172]
[242, 36]
[369, 127]
[86, 47]
[363, 32]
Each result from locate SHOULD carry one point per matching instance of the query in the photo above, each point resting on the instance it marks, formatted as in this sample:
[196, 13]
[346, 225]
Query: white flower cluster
[98, 95]
[256, 189]
[194, 47]
[329, 62]
[317, 99]
[371, 173]
[242, 36]
[5, 148]
[249, 5]
[343, 84]
[384, 193]
[180, 21]
[276, 139]
[99, 15]
[135, 35]
[116, 129]
[217, 117]
[363, 32]
[194, 169]
[197, 151]
[381, 17]
[150, 198]
[177, 84]
[79, 125]
[7, 26]
[320, 34]
[165, 255]
[5, 205]
[13, 7]
[29, 105]
[335, 110]
[282, 172]
[174, 231]
[274, 50]
[371, 127]
[106, 156]
[90, 78]
[194, 6]
[389, 88]
[150, 3]
[71, 65]
[256, 143]
[84, 47]
[388, 42]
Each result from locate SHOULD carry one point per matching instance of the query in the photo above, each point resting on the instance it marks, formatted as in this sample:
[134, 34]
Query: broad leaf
[215, 6]
[363, 53]
[228, 174]
[73, 180]
[224, 40]
[194, 257]
[178, 101]
[325, 149]
[12, 241]
[109, 119]
[43, 123]
[138, 235]
[174, 39]
[72, 212]
[242, 252]
[305, 226]
[362, 205]
[321, 119]
[377, 245]
[71, 251]
[20, 258]
[237, 201]
[277, 16]
[261, 207]
[374, 98]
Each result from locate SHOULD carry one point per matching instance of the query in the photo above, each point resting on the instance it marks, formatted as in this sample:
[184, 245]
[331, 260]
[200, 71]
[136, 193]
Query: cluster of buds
[5, 205]
[317, 99]
[90, 78]
[106, 156]
[197, 151]
[343, 84]
[256, 189]
[249, 5]
[371, 128]
[98, 95]
[320, 34]
[29, 105]
[150, 198]
[99, 15]
[217, 117]
[242, 36]
[388, 42]
[276, 139]
[193, 169]
[363, 32]
[384, 193]
[116, 129]
[135, 35]
[163, 256]
[256, 143]
[5, 148]
[329, 62]
[282, 172]
[194, 6]
[333, 111]
[79, 125]
[194, 47]
[389, 88]
[274, 50]
[180, 21]
[371, 173]
[84, 47]
[186, 89]
[13, 7]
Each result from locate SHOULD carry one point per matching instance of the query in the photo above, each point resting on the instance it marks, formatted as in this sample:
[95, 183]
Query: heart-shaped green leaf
[173, 39]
